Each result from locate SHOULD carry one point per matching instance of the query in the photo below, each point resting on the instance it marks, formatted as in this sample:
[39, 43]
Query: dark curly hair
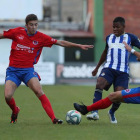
[119, 19]
[30, 17]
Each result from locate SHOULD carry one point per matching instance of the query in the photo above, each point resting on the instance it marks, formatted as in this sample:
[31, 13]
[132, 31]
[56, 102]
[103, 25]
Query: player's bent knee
[39, 92]
[8, 97]
[101, 83]
[100, 86]
[113, 97]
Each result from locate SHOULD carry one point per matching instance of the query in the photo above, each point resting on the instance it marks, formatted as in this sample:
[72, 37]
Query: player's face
[118, 28]
[32, 27]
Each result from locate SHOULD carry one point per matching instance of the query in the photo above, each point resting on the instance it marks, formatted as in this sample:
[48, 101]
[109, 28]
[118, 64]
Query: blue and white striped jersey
[117, 55]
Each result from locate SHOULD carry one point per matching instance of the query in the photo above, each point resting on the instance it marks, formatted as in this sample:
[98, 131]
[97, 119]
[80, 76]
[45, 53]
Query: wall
[129, 9]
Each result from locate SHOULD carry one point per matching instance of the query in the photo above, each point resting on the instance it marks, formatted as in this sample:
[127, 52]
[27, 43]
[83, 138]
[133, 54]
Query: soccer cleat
[81, 108]
[57, 121]
[112, 117]
[14, 116]
[93, 116]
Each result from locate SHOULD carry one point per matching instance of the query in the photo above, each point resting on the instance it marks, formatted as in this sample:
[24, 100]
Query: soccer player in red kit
[25, 52]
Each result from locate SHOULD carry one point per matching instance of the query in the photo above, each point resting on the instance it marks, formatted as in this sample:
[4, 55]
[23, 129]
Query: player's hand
[86, 47]
[94, 72]
[127, 46]
[138, 59]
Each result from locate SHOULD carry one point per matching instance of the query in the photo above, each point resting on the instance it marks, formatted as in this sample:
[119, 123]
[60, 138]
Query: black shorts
[115, 77]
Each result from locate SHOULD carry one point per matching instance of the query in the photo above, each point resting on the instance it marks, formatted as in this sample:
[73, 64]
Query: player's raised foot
[81, 108]
[112, 117]
[14, 116]
[57, 121]
[93, 116]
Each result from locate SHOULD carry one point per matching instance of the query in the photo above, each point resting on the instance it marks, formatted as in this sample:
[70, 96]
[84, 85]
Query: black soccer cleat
[14, 116]
[81, 108]
[57, 121]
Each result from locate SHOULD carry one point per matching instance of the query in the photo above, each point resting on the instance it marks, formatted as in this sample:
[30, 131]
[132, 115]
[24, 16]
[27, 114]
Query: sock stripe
[99, 90]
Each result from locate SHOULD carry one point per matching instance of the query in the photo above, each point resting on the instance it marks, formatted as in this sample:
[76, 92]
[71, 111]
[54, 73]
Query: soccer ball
[73, 117]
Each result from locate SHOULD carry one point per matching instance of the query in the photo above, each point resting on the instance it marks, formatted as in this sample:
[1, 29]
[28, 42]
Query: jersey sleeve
[9, 34]
[106, 46]
[135, 41]
[48, 41]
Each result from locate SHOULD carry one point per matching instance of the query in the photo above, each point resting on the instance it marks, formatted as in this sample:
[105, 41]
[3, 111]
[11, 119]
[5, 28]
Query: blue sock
[97, 97]
[114, 107]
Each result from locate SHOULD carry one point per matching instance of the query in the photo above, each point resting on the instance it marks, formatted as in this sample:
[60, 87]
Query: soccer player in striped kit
[115, 70]
[129, 96]
[26, 48]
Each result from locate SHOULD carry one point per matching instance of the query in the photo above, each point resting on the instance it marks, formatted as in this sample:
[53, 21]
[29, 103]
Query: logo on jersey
[103, 74]
[127, 90]
[35, 42]
[53, 40]
[117, 45]
[20, 37]
[24, 48]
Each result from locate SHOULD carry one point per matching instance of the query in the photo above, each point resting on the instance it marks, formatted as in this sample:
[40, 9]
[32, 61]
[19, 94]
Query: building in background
[104, 13]
[60, 19]
[79, 21]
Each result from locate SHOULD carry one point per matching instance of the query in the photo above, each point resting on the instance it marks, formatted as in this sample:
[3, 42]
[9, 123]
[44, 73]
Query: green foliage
[34, 124]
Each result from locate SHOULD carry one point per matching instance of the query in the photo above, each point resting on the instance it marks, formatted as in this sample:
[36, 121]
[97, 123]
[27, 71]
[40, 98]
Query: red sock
[12, 105]
[47, 106]
[101, 104]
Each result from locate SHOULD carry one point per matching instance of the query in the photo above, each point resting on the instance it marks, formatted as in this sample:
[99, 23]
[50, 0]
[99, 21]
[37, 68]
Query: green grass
[34, 124]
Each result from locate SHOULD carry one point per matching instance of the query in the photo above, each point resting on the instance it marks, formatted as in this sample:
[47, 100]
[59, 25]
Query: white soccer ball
[73, 117]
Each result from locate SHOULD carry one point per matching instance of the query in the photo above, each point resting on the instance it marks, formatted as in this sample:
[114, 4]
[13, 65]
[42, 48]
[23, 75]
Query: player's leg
[102, 83]
[120, 83]
[127, 96]
[35, 86]
[11, 84]
[116, 97]
[131, 95]
[115, 106]
[105, 103]
[101, 104]
[9, 90]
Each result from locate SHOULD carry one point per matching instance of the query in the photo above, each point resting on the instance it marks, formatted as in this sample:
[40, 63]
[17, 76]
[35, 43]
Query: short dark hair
[119, 19]
[30, 17]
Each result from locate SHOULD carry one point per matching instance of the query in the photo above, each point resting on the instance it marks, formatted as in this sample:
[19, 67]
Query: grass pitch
[34, 124]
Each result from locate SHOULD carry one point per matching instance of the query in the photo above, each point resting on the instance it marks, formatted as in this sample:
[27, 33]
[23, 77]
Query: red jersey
[26, 49]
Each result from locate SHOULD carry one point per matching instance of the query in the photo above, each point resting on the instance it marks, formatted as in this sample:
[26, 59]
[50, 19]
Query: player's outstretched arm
[101, 61]
[70, 44]
[1, 36]
[132, 50]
